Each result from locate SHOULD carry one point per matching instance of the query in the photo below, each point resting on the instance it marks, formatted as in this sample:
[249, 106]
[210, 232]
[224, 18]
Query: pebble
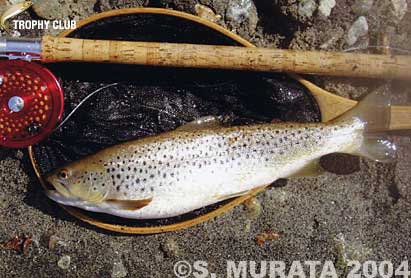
[400, 8]
[358, 29]
[4, 201]
[362, 7]
[206, 13]
[170, 248]
[326, 7]
[253, 208]
[243, 11]
[64, 262]
[335, 36]
[12, 2]
[119, 270]
[350, 250]
[306, 8]
[19, 155]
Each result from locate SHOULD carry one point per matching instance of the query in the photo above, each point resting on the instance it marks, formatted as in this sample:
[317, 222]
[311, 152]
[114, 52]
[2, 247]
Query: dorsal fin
[129, 204]
[207, 122]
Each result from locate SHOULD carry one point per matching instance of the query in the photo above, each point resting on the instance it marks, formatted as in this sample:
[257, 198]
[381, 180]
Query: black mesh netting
[152, 100]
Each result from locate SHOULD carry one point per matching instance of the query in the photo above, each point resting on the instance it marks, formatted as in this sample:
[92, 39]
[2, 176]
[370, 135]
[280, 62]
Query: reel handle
[226, 57]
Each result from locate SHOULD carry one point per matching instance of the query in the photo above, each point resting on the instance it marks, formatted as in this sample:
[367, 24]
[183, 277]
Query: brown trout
[202, 163]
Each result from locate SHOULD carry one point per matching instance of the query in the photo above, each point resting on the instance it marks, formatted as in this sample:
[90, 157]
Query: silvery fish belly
[202, 163]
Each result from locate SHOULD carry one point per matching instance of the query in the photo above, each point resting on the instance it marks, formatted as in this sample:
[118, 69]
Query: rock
[335, 36]
[243, 12]
[12, 2]
[326, 6]
[4, 201]
[400, 8]
[64, 262]
[358, 29]
[253, 208]
[349, 250]
[306, 8]
[53, 241]
[119, 270]
[206, 13]
[63, 9]
[170, 248]
[362, 7]
[19, 155]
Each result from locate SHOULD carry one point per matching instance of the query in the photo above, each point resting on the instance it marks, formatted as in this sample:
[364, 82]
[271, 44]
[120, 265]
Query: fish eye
[63, 174]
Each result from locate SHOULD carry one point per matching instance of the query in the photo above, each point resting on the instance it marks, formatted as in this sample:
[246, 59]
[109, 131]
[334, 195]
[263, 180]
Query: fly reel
[31, 103]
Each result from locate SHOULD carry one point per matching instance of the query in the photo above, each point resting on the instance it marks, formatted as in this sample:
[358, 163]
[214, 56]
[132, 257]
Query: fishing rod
[32, 102]
[55, 49]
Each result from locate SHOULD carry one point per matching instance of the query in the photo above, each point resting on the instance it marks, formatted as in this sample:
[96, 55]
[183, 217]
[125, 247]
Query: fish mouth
[54, 185]
[57, 197]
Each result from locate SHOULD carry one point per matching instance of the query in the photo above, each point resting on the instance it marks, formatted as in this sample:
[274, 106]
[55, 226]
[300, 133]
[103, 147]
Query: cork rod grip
[225, 57]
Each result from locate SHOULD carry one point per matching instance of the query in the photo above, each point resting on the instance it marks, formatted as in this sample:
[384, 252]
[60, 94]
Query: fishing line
[82, 102]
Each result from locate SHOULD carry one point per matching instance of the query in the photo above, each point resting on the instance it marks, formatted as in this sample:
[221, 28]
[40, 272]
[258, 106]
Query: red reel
[31, 103]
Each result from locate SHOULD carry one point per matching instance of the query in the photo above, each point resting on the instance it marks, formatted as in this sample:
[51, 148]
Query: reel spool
[31, 103]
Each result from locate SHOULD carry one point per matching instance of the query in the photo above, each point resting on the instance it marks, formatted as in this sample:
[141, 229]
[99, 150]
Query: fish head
[85, 181]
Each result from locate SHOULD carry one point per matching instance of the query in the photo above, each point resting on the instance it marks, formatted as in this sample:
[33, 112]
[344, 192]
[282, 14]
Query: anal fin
[231, 195]
[312, 169]
[129, 204]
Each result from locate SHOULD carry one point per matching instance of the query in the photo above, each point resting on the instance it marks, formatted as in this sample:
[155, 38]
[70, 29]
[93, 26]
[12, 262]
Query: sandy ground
[364, 215]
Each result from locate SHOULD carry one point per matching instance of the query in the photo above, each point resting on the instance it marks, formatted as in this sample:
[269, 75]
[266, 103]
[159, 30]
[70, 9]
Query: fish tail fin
[375, 112]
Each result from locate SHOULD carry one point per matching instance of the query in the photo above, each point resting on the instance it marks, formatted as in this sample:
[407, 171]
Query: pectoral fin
[313, 169]
[206, 122]
[129, 204]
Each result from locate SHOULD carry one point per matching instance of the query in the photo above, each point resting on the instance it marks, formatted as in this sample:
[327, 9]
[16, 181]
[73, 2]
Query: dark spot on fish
[118, 188]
